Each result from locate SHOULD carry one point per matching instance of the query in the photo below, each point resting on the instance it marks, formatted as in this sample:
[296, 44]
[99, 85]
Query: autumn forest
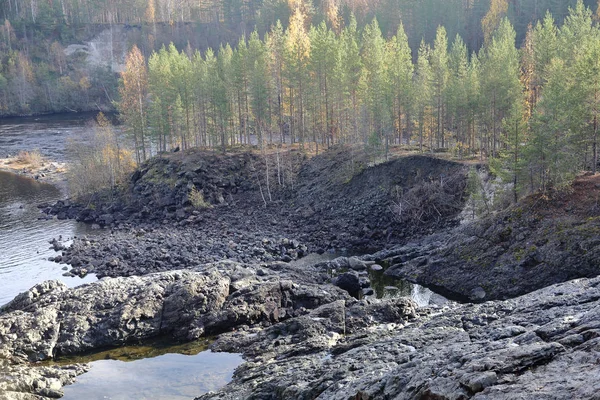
[514, 82]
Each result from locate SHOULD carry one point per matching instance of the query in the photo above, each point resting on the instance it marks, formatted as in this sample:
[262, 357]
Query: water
[155, 371]
[24, 246]
[384, 286]
[24, 238]
[48, 134]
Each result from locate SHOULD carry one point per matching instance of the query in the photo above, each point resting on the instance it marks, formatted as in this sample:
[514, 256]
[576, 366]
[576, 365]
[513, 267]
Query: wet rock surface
[20, 381]
[304, 338]
[51, 320]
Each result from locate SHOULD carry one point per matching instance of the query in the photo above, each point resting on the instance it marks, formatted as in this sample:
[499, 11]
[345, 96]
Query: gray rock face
[50, 319]
[544, 345]
[503, 256]
[18, 381]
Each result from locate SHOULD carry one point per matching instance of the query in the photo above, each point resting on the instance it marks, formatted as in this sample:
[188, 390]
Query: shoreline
[51, 172]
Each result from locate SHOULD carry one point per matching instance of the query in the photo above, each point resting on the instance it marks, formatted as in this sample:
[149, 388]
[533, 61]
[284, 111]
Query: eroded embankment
[325, 203]
[540, 241]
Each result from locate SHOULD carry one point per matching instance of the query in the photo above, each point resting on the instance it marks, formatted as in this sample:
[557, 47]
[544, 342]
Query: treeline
[532, 111]
[420, 18]
[38, 76]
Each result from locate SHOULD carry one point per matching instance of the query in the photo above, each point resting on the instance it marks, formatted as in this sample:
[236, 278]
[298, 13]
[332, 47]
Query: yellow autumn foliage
[99, 160]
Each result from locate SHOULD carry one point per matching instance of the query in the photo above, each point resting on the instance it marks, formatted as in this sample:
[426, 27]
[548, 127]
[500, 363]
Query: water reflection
[153, 371]
[388, 287]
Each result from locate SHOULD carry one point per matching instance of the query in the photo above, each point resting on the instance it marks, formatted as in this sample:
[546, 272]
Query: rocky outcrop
[19, 381]
[51, 320]
[543, 345]
[534, 244]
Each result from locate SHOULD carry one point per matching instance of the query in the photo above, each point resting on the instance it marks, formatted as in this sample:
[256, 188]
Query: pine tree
[350, 70]
[259, 84]
[132, 107]
[423, 89]
[439, 65]
[323, 64]
[240, 69]
[551, 150]
[587, 88]
[401, 69]
[276, 46]
[457, 93]
[500, 81]
[298, 49]
[374, 86]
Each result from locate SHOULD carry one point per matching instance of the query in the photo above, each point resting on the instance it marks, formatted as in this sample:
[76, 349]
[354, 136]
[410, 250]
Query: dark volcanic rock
[51, 320]
[349, 281]
[320, 203]
[515, 252]
[543, 345]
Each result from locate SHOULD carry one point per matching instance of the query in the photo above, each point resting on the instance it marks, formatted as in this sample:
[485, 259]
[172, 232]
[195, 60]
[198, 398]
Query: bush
[99, 160]
[33, 158]
[197, 199]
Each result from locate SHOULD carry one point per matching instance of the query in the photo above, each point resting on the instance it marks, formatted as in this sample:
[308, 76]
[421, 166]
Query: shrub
[100, 160]
[33, 158]
[197, 199]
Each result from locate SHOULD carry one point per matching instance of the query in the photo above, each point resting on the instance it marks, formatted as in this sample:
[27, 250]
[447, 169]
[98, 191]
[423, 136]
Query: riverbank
[186, 269]
[258, 208]
[304, 338]
[33, 165]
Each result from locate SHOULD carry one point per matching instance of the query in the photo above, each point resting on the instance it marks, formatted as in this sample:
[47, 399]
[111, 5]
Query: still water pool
[156, 370]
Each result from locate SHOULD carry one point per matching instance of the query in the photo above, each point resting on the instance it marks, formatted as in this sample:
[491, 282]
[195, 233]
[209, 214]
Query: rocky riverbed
[312, 205]
[305, 340]
[527, 326]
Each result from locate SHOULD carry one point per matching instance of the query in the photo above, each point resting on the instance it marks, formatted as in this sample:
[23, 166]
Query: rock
[348, 281]
[477, 294]
[494, 350]
[376, 267]
[356, 264]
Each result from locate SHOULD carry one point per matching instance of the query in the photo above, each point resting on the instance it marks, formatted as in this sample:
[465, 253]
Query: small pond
[383, 286]
[154, 371]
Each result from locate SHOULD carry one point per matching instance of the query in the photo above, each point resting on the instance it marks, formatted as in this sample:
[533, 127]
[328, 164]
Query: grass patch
[196, 197]
[33, 158]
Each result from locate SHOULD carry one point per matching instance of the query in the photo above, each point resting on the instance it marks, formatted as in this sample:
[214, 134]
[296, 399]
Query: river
[158, 372]
[24, 238]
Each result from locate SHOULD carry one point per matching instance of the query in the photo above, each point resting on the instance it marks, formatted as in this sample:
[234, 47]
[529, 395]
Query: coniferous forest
[516, 82]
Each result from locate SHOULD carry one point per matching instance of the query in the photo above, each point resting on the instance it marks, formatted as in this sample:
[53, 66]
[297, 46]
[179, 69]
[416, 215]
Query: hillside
[540, 241]
[316, 204]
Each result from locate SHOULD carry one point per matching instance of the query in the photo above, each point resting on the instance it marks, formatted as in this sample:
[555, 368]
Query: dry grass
[32, 158]
[196, 197]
